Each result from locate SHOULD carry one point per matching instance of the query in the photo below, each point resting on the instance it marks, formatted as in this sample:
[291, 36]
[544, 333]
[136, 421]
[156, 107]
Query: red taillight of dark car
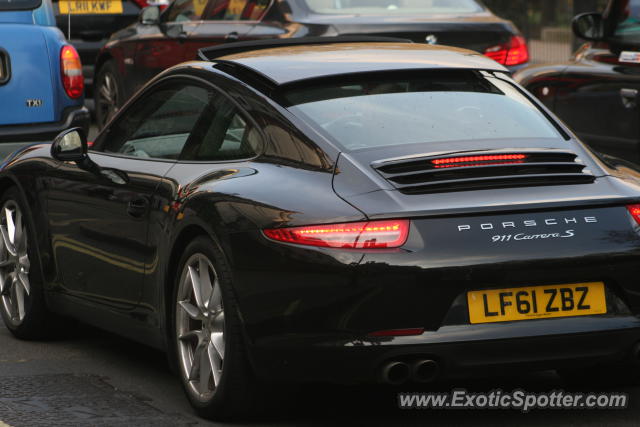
[71, 72]
[515, 52]
[354, 235]
[634, 210]
[141, 3]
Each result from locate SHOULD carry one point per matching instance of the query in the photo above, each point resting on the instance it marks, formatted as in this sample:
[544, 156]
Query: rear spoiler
[213, 52]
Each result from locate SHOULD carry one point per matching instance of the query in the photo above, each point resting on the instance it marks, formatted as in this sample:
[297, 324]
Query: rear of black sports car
[491, 241]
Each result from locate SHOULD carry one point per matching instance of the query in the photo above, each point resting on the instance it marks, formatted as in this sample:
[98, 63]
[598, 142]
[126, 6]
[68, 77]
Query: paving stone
[76, 400]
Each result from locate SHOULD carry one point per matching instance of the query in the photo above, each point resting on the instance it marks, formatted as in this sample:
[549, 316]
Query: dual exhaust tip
[396, 372]
[422, 371]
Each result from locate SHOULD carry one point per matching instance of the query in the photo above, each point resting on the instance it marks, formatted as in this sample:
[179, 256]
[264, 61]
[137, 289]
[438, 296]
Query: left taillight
[515, 52]
[71, 72]
[354, 235]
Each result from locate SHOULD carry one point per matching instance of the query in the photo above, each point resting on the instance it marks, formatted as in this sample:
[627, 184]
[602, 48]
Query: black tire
[107, 82]
[38, 322]
[237, 389]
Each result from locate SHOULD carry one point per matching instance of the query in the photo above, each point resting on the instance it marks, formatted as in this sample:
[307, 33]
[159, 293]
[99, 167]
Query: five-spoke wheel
[200, 326]
[14, 263]
[209, 343]
[108, 96]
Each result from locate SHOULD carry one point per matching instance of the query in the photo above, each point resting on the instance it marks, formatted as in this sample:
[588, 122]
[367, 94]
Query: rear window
[368, 7]
[19, 4]
[435, 106]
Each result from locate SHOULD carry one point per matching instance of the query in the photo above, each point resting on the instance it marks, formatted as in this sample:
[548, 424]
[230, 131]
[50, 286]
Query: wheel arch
[6, 182]
[102, 59]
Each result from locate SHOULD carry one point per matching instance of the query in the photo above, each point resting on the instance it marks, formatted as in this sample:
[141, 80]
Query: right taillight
[71, 72]
[514, 52]
[634, 210]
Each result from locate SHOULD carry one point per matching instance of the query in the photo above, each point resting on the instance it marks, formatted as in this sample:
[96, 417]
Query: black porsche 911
[346, 211]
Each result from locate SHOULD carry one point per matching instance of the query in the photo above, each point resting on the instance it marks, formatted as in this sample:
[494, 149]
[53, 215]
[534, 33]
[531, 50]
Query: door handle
[629, 97]
[137, 207]
[232, 36]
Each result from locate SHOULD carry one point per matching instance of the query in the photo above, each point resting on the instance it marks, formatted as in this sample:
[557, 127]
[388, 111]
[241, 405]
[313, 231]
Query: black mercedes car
[597, 92]
[329, 210]
[161, 40]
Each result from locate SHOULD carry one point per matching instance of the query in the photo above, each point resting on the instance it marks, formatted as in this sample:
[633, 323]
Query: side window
[159, 124]
[236, 10]
[628, 28]
[185, 10]
[226, 134]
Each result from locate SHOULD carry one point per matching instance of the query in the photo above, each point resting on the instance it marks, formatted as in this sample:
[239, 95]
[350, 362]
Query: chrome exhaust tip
[635, 352]
[395, 373]
[425, 371]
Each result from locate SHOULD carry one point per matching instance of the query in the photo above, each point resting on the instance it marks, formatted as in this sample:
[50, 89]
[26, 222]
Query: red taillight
[634, 210]
[354, 235]
[141, 3]
[397, 332]
[71, 71]
[515, 52]
[467, 161]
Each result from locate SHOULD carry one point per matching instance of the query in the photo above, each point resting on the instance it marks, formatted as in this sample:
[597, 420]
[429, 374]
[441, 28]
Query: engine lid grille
[483, 170]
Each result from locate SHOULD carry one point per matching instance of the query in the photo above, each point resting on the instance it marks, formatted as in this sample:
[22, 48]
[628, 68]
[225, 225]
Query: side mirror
[150, 15]
[589, 26]
[70, 146]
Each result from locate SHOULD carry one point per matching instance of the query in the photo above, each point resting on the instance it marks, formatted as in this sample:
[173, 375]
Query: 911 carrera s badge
[630, 57]
[524, 236]
[431, 39]
[34, 103]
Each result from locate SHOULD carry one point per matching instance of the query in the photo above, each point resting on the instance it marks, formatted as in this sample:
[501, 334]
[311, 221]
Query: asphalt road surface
[93, 378]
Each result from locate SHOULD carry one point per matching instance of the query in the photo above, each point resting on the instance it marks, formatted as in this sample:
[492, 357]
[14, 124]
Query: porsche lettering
[529, 223]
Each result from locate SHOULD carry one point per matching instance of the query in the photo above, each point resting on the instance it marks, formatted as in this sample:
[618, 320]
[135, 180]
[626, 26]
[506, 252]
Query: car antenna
[69, 23]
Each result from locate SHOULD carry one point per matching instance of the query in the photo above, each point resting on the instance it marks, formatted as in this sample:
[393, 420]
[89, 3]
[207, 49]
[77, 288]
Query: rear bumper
[309, 312]
[73, 117]
[456, 350]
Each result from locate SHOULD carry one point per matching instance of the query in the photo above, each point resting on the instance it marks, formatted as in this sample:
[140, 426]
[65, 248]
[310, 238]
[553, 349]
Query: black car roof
[290, 63]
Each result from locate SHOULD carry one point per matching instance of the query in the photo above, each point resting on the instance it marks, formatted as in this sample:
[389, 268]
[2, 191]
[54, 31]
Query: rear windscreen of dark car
[394, 7]
[431, 106]
[19, 4]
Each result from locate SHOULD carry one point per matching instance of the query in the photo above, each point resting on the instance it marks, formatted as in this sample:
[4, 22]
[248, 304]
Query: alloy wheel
[108, 99]
[14, 263]
[200, 327]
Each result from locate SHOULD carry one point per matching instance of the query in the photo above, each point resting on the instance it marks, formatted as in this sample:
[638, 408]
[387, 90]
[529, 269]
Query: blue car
[41, 83]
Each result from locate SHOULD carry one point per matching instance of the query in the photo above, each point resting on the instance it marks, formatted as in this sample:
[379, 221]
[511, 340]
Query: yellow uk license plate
[90, 6]
[536, 302]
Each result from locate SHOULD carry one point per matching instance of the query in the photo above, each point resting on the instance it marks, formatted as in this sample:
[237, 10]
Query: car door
[220, 147]
[225, 21]
[598, 95]
[100, 210]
